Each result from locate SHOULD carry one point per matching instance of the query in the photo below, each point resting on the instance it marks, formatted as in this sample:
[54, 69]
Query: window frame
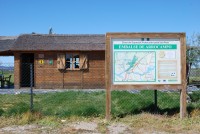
[72, 63]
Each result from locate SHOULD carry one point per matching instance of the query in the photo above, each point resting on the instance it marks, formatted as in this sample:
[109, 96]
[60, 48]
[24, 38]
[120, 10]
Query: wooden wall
[49, 77]
[95, 75]
[17, 70]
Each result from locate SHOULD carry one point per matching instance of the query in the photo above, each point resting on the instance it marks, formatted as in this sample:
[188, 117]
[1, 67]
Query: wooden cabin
[58, 61]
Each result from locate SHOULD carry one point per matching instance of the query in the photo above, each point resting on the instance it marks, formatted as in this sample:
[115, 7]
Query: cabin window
[72, 61]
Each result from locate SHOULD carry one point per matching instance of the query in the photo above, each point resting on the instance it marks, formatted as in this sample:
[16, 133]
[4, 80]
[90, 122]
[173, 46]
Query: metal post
[108, 103]
[31, 87]
[63, 80]
[155, 101]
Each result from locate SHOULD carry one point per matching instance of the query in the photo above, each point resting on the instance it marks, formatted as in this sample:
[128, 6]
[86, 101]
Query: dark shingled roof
[6, 43]
[56, 42]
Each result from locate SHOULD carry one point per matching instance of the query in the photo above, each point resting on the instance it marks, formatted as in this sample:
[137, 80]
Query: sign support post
[108, 82]
[183, 103]
[183, 92]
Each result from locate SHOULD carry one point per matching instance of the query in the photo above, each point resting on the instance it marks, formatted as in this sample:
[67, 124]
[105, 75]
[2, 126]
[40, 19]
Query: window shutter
[61, 61]
[83, 61]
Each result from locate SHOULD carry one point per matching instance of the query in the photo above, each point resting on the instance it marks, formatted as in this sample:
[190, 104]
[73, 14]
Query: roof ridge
[63, 35]
[8, 37]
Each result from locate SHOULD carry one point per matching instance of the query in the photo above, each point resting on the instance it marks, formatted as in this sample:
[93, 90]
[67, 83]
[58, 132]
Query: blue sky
[92, 16]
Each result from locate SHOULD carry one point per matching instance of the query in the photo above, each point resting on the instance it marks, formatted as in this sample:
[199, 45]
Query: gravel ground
[76, 127]
[43, 91]
[190, 89]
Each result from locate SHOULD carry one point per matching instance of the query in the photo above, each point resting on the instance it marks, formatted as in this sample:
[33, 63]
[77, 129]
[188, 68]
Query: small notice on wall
[41, 56]
[50, 61]
[41, 61]
[146, 62]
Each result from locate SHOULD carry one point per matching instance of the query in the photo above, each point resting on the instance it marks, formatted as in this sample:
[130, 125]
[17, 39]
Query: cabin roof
[6, 43]
[59, 42]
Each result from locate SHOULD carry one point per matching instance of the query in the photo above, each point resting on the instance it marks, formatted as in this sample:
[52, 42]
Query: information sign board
[146, 62]
[153, 61]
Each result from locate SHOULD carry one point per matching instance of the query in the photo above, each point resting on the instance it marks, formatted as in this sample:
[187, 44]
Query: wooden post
[183, 103]
[183, 94]
[108, 79]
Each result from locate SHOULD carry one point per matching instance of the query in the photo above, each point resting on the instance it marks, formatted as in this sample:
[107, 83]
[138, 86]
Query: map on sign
[135, 66]
[146, 62]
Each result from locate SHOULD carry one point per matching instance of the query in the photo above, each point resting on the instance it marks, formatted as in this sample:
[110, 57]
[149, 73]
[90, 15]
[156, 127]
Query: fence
[39, 93]
[194, 78]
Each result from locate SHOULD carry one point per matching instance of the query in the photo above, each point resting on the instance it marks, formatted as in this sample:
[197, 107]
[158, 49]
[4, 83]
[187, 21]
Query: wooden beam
[183, 94]
[108, 80]
[183, 104]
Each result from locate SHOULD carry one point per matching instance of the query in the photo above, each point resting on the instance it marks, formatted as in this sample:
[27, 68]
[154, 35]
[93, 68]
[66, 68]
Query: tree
[193, 53]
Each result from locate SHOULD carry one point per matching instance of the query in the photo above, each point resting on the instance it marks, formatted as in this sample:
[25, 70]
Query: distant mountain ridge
[6, 67]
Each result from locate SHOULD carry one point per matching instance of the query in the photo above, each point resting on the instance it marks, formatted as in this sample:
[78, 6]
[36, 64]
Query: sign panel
[146, 62]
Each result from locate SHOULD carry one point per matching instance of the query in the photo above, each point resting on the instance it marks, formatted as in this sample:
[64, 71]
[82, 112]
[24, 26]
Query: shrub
[18, 109]
[195, 96]
[1, 112]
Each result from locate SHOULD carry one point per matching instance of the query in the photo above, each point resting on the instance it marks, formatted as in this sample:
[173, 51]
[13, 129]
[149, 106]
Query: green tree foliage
[193, 52]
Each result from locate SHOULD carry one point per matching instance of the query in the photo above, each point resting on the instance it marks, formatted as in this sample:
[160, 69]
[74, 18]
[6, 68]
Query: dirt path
[76, 127]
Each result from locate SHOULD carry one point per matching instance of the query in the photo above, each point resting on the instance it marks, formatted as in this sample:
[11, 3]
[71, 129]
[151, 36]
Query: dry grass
[62, 109]
[146, 122]
[141, 123]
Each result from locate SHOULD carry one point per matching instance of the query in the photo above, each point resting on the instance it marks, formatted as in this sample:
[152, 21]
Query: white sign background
[132, 62]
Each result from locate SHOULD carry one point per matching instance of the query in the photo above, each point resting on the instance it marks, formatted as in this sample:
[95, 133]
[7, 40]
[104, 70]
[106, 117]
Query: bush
[195, 96]
[18, 109]
[1, 112]
[90, 111]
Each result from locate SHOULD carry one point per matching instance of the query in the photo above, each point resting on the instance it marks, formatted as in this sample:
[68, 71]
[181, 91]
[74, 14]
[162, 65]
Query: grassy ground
[135, 110]
[55, 104]
[78, 103]
[140, 123]
[151, 123]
